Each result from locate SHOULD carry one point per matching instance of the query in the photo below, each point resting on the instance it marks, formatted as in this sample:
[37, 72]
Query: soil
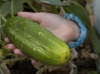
[22, 67]
[25, 67]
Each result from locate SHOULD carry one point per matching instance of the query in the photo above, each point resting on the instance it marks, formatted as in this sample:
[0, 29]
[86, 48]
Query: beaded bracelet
[82, 37]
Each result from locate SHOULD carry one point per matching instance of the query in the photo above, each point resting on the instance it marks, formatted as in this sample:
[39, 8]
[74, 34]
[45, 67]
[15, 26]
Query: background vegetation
[84, 59]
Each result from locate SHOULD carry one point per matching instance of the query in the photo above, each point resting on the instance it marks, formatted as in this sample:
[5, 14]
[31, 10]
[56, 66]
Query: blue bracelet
[82, 37]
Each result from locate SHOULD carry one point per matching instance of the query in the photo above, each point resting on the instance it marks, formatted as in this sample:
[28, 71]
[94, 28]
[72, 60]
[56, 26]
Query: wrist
[83, 29]
[73, 31]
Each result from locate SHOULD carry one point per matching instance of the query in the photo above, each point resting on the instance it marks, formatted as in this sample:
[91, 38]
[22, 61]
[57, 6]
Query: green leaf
[53, 2]
[94, 39]
[6, 7]
[5, 0]
[54, 9]
[80, 12]
[18, 5]
[1, 2]
[5, 52]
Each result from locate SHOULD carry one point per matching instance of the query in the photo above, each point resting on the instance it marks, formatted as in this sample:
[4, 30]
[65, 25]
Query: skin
[66, 30]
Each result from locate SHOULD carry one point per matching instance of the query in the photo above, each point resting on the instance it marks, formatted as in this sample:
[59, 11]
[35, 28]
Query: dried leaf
[38, 65]
[74, 54]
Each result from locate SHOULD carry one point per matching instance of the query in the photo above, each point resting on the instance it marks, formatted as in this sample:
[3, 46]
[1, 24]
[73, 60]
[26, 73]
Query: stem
[3, 18]
[12, 60]
[0, 28]
[1, 32]
[1, 71]
[12, 9]
[33, 8]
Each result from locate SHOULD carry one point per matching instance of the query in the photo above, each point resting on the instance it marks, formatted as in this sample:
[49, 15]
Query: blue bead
[83, 29]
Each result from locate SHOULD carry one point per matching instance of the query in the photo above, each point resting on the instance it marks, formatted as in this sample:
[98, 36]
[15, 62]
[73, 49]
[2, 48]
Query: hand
[64, 29]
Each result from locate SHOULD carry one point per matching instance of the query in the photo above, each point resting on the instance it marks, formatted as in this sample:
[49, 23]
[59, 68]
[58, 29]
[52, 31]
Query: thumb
[36, 17]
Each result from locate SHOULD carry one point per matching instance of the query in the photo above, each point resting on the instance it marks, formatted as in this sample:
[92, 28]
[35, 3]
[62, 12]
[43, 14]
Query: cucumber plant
[13, 9]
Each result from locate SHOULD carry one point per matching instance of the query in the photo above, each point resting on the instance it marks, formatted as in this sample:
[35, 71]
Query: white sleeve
[96, 11]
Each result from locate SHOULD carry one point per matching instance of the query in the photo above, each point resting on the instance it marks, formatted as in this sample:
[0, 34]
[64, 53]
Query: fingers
[6, 40]
[18, 52]
[10, 47]
[15, 50]
[36, 17]
[33, 61]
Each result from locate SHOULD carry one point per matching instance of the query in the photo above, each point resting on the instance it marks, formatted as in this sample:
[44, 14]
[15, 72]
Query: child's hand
[64, 29]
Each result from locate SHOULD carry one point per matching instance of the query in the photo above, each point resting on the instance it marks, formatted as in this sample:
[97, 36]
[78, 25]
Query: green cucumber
[36, 41]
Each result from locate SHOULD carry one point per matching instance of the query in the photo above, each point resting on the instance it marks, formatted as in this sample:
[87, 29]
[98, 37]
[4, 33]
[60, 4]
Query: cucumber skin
[36, 41]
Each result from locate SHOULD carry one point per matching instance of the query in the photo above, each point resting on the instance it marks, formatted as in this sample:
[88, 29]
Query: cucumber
[36, 41]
